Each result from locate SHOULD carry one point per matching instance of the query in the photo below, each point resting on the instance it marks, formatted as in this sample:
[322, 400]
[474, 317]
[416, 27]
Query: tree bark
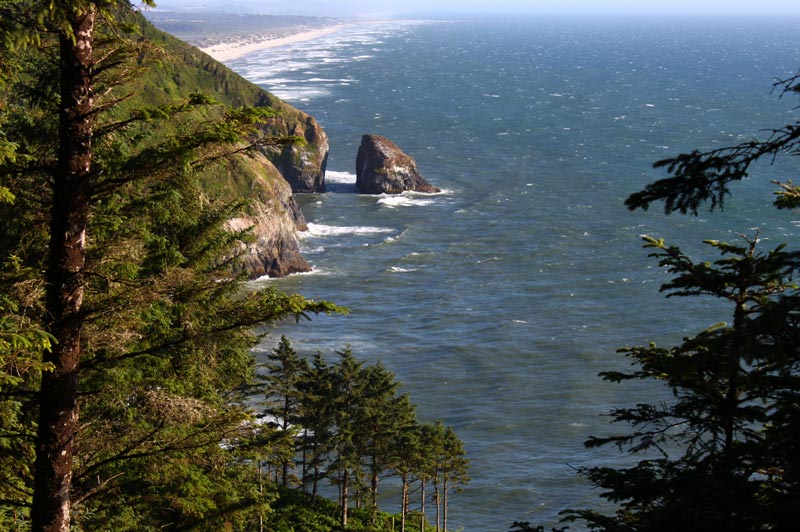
[422, 506]
[58, 403]
[438, 500]
[444, 504]
[345, 502]
[404, 503]
[374, 489]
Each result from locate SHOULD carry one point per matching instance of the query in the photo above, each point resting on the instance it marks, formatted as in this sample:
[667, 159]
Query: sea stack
[383, 168]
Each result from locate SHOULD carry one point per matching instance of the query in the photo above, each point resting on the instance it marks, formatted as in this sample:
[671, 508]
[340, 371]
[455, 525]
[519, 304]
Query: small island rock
[383, 168]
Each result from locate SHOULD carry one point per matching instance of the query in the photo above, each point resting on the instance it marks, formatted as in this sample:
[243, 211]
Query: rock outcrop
[383, 168]
[303, 166]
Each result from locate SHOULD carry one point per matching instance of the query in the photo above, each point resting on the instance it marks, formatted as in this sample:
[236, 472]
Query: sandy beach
[232, 50]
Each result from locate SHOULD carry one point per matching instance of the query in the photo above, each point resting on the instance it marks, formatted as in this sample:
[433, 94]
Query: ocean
[497, 302]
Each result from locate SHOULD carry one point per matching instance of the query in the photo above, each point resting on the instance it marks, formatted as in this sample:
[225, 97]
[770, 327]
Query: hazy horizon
[588, 7]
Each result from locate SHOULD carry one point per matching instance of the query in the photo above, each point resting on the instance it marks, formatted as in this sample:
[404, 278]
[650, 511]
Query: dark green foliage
[165, 327]
[356, 429]
[703, 177]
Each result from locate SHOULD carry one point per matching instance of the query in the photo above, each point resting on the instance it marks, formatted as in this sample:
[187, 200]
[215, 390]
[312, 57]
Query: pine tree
[286, 369]
[454, 468]
[383, 416]
[347, 393]
[142, 326]
[708, 445]
[316, 418]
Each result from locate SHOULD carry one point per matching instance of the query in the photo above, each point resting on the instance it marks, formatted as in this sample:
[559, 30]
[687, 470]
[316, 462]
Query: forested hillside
[131, 167]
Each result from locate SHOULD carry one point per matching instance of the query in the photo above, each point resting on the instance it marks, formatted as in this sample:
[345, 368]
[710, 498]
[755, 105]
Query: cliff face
[303, 167]
[266, 180]
[383, 168]
[274, 221]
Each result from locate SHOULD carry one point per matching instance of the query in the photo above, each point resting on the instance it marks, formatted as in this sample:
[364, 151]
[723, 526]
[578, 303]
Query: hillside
[266, 179]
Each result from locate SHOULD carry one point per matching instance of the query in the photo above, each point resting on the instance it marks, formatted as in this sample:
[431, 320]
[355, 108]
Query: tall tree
[347, 389]
[383, 416]
[454, 468]
[316, 417]
[286, 369]
[138, 317]
[58, 412]
[431, 437]
[407, 456]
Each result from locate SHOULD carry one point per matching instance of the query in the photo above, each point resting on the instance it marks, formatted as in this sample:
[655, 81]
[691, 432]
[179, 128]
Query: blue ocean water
[498, 301]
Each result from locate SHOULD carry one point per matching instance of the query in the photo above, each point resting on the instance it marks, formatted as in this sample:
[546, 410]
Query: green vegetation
[347, 425]
[125, 334]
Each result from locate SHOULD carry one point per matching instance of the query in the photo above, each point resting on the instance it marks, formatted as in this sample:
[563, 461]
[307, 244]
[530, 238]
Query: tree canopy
[124, 329]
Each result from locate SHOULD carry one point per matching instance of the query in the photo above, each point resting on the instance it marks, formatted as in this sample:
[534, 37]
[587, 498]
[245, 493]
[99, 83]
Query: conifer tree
[407, 456]
[316, 418]
[454, 468]
[431, 437]
[140, 323]
[286, 369]
[347, 393]
[383, 417]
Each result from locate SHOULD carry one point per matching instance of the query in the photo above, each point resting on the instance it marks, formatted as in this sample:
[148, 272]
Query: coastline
[226, 51]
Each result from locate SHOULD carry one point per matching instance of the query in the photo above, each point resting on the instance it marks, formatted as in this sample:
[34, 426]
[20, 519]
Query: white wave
[317, 249]
[334, 176]
[337, 230]
[404, 200]
[396, 269]
[330, 80]
[271, 67]
[298, 94]
[266, 279]
[390, 239]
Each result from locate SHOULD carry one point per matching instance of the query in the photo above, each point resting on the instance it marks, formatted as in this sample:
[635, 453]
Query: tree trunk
[58, 402]
[404, 503]
[422, 506]
[303, 468]
[315, 480]
[345, 502]
[444, 504]
[285, 424]
[438, 499]
[373, 499]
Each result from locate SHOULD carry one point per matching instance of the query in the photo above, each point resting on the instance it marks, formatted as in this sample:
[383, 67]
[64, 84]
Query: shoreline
[226, 51]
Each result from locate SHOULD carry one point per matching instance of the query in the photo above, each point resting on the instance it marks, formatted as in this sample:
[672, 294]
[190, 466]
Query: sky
[388, 7]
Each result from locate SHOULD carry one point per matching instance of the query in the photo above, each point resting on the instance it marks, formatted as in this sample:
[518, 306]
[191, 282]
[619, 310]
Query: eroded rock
[383, 168]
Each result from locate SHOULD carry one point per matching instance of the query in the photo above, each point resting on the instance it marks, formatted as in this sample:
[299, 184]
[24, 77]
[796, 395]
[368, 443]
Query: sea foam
[322, 230]
[346, 178]
[404, 200]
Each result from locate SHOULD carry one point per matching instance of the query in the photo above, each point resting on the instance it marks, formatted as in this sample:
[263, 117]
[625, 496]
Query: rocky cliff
[272, 216]
[383, 168]
[303, 167]
[266, 180]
